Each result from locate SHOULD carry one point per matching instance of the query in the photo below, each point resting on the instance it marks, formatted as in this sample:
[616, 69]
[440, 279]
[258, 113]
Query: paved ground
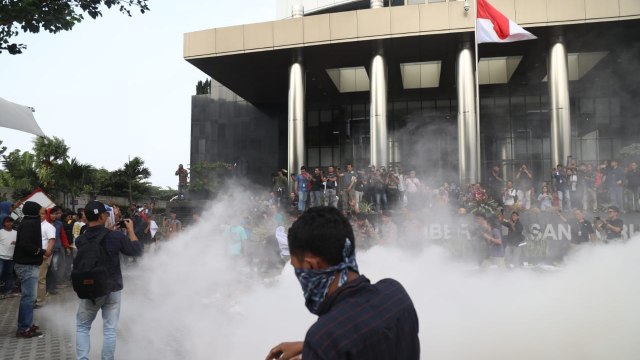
[56, 323]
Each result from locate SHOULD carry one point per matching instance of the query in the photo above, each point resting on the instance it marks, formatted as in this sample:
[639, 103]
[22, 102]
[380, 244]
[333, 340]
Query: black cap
[93, 210]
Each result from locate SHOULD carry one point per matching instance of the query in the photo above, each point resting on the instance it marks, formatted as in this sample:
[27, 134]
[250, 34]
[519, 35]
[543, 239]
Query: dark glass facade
[514, 117]
[226, 128]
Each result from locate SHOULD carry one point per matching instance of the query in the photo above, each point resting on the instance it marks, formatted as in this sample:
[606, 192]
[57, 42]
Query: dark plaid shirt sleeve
[364, 321]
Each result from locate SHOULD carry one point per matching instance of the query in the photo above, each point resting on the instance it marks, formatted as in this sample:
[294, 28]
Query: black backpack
[90, 274]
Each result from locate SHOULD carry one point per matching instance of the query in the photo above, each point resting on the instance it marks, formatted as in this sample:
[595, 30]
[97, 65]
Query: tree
[21, 173]
[203, 88]
[73, 177]
[630, 153]
[135, 173]
[52, 16]
[49, 153]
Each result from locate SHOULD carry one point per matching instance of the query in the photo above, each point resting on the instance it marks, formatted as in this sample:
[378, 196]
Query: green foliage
[134, 174]
[630, 153]
[203, 88]
[21, 173]
[48, 167]
[366, 207]
[159, 193]
[208, 177]
[484, 206]
[50, 151]
[52, 16]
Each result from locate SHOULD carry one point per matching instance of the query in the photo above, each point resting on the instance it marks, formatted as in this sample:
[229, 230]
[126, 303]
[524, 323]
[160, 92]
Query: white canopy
[18, 117]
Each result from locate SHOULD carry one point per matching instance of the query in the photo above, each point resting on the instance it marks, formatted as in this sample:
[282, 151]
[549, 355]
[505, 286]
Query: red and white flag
[494, 27]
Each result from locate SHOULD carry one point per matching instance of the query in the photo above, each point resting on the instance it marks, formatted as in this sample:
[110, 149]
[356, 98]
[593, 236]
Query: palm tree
[72, 176]
[135, 173]
[21, 173]
[49, 153]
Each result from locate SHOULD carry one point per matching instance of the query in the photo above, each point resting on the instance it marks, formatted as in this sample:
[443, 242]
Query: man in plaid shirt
[356, 319]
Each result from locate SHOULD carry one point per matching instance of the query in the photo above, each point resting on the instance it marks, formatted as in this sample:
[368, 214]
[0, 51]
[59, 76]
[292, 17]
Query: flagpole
[477, 109]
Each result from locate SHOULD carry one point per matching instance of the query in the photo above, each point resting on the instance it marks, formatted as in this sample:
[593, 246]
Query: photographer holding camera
[114, 243]
[524, 181]
[613, 226]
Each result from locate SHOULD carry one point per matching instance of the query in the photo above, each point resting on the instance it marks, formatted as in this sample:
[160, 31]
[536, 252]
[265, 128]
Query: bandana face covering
[315, 283]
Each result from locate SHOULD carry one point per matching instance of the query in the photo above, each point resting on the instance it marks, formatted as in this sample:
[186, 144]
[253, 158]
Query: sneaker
[37, 306]
[28, 334]
[33, 328]
[53, 292]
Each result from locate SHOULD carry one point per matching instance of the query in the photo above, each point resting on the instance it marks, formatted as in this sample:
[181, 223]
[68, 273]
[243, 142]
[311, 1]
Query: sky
[118, 87]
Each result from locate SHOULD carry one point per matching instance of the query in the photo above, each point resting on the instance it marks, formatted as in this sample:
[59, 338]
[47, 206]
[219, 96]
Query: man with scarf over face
[356, 319]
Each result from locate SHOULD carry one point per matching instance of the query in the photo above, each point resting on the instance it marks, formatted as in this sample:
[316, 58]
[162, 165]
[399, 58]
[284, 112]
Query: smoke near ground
[190, 301]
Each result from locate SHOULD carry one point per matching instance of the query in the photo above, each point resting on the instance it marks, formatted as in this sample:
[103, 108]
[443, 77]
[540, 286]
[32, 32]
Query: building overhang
[253, 60]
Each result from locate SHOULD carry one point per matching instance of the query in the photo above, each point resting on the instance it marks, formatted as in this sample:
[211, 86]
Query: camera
[122, 224]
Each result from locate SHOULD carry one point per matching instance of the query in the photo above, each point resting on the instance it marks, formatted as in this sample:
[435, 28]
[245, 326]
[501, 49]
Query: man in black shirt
[114, 242]
[613, 226]
[514, 239]
[582, 231]
[356, 319]
[316, 187]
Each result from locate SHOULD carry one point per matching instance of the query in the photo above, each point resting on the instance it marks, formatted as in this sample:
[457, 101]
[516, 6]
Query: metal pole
[467, 123]
[559, 103]
[378, 121]
[478, 174]
[296, 120]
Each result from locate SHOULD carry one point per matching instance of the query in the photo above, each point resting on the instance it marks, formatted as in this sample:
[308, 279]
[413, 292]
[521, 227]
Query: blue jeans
[302, 200]
[87, 311]
[616, 195]
[28, 275]
[6, 274]
[316, 198]
[381, 200]
[332, 200]
[52, 278]
[564, 196]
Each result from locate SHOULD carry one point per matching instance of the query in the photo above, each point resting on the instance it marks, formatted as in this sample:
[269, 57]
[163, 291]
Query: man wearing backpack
[113, 242]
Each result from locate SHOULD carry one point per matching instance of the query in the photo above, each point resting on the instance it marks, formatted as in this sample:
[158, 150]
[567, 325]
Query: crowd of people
[378, 201]
[38, 247]
[567, 187]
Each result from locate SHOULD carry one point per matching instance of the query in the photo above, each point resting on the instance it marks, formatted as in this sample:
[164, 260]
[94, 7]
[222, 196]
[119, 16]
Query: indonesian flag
[494, 27]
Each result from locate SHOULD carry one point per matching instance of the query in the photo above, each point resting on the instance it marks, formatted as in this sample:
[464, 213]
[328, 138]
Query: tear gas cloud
[188, 300]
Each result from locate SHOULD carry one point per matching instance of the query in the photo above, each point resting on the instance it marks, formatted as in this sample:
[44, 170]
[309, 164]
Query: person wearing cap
[613, 225]
[115, 242]
[28, 256]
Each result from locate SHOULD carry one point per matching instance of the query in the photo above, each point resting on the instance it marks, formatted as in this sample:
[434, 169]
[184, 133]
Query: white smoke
[189, 301]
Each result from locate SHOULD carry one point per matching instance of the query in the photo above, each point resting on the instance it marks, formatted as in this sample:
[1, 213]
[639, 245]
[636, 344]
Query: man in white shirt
[48, 240]
[283, 243]
[7, 247]
[509, 196]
